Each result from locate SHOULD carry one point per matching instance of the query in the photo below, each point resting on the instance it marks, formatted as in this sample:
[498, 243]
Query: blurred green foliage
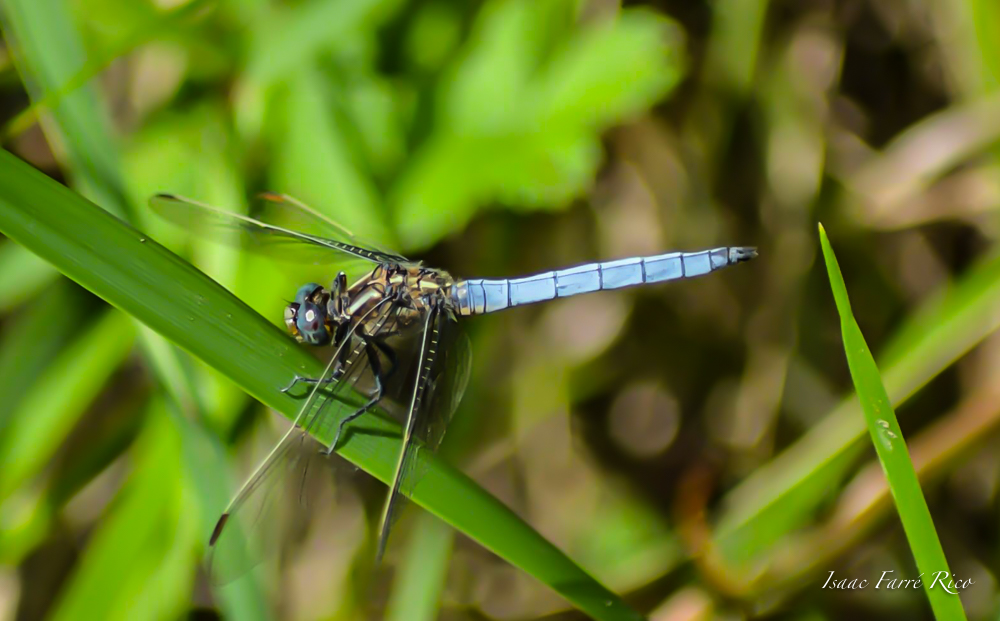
[696, 447]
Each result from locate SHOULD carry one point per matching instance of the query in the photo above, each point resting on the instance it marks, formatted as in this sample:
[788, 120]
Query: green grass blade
[62, 395]
[22, 275]
[892, 452]
[49, 55]
[29, 342]
[48, 52]
[417, 586]
[783, 494]
[138, 562]
[201, 453]
[134, 273]
[53, 97]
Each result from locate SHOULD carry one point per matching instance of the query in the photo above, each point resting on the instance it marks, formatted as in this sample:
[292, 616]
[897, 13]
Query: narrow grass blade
[53, 97]
[47, 52]
[134, 273]
[783, 494]
[419, 580]
[22, 275]
[137, 564]
[892, 452]
[29, 341]
[60, 397]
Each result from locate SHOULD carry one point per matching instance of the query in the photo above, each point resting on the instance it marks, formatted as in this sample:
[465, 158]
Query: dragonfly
[395, 331]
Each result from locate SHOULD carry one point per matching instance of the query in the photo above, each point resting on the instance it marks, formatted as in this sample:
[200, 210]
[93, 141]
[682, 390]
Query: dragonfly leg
[334, 377]
[338, 372]
[390, 353]
[301, 379]
[371, 347]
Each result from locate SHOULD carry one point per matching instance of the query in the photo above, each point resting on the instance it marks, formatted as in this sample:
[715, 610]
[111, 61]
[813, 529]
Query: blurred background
[695, 446]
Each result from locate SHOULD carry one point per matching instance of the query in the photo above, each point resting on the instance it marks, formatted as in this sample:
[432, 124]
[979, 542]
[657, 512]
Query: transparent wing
[445, 391]
[439, 384]
[275, 232]
[245, 533]
[294, 214]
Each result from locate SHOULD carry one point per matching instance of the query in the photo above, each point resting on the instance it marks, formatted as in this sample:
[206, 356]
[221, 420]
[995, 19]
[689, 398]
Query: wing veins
[419, 387]
[250, 224]
[284, 198]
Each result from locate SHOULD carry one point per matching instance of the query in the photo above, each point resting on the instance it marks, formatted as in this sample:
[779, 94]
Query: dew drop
[886, 437]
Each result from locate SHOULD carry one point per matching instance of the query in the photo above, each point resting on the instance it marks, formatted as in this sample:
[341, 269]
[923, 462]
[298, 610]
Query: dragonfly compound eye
[309, 292]
[306, 317]
[311, 324]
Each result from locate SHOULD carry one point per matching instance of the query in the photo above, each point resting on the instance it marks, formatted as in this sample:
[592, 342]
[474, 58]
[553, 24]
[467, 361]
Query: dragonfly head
[306, 317]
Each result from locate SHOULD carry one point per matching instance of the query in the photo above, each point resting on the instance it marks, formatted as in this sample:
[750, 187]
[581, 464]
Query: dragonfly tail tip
[742, 254]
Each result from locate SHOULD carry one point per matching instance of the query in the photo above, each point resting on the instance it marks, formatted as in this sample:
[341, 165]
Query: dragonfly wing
[440, 380]
[273, 234]
[243, 535]
[445, 391]
[250, 530]
[293, 213]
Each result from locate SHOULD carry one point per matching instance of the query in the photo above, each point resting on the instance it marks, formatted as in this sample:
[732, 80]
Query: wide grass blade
[50, 55]
[892, 452]
[134, 273]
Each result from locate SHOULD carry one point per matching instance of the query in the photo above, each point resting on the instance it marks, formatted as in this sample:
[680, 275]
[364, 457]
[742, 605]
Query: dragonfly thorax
[317, 314]
[412, 288]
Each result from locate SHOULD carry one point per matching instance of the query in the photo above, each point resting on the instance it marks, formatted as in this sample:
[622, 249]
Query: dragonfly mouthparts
[741, 254]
